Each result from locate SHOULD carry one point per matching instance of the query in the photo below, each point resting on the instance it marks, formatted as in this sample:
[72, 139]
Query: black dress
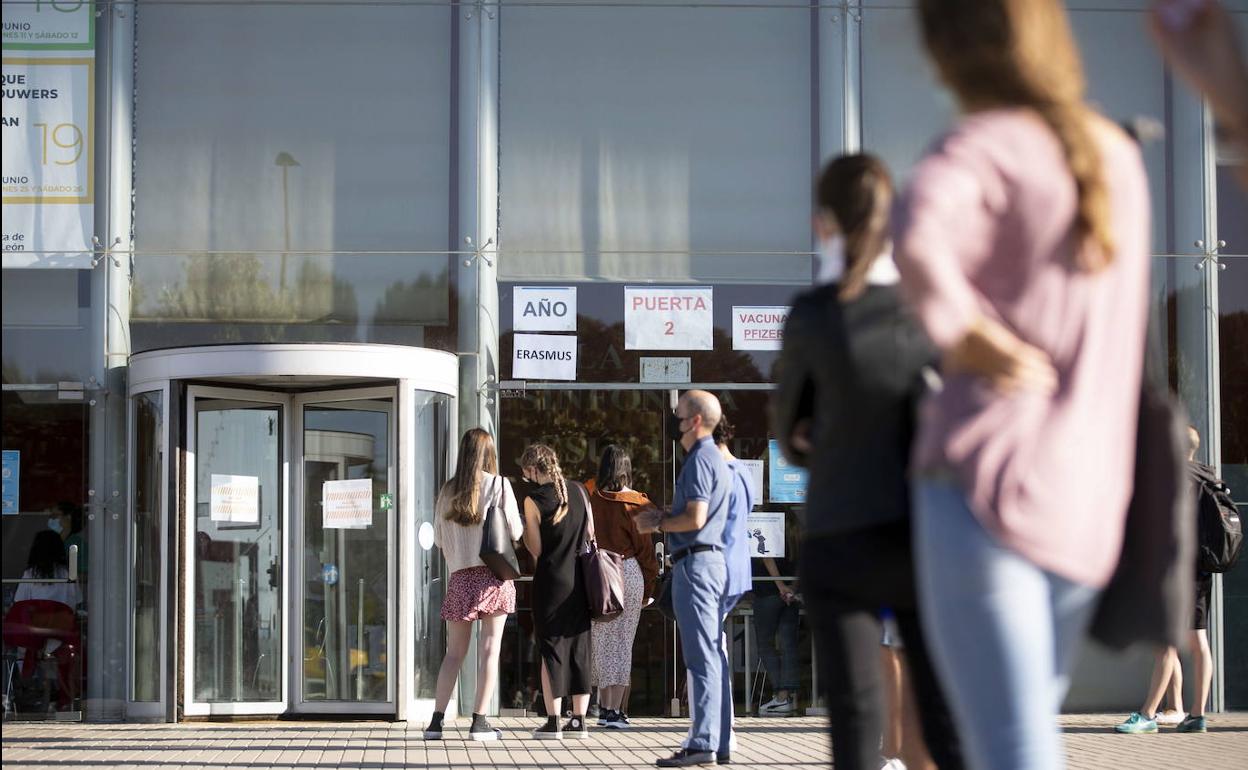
[560, 602]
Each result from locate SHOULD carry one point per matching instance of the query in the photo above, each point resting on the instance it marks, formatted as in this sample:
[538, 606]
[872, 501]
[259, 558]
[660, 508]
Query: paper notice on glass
[347, 504]
[758, 328]
[235, 499]
[543, 309]
[543, 357]
[788, 481]
[766, 532]
[668, 318]
[756, 474]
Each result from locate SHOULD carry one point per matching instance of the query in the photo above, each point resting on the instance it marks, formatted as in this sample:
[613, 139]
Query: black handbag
[663, 595]
[498, 552]
[602, 570]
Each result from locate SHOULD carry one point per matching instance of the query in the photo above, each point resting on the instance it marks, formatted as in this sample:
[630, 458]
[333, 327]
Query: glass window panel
[237, 612]
[633, 130]
[431, 464]
[147, 535]
[48, 333]
[292, 166]
[346, 572]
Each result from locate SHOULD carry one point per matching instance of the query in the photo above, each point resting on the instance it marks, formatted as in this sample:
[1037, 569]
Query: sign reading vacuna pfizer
[758, 327]
[543, 309]
[543, 357]
[787, 482]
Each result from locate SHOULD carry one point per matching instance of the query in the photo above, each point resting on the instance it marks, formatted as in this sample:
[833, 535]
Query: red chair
[31, 624]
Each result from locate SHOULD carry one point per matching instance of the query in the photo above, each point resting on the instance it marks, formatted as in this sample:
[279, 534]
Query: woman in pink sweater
[1023, 245]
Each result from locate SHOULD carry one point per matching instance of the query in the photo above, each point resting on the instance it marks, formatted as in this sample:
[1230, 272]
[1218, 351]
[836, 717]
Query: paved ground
[765, 743]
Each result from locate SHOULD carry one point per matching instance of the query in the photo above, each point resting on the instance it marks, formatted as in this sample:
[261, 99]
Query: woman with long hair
[850, 376]
[614, 502]
[555, 516]
[473, 594]
[1023, 245]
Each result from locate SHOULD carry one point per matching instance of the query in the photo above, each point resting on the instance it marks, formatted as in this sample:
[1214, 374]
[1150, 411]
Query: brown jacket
[613, 525]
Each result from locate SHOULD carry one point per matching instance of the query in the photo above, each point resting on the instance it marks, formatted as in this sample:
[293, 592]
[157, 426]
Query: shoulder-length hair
[615, 469]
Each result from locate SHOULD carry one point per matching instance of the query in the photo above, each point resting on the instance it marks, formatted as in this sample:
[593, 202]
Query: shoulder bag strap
[589, 517]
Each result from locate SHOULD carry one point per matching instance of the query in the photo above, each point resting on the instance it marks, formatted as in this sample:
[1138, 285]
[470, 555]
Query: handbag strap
[590, 538]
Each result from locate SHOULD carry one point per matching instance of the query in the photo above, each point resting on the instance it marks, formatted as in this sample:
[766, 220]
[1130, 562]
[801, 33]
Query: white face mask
[54, 524]
[831, 259]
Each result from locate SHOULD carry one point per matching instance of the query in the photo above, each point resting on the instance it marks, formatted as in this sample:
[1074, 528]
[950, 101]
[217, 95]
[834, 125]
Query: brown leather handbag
[603, 571]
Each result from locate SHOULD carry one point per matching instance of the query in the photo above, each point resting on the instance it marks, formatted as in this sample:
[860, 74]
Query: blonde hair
[1021, 53]
[476, 454]
[543, 459]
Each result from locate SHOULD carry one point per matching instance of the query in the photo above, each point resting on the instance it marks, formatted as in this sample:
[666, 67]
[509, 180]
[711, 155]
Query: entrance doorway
[300, 579]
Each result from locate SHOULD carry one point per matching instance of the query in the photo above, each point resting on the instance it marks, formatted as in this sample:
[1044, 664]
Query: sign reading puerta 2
[48, 133]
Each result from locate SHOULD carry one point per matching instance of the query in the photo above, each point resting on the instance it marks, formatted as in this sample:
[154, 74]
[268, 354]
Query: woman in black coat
[851, 372]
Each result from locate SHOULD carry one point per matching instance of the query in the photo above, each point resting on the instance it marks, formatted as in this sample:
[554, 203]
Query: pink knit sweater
[985, 229]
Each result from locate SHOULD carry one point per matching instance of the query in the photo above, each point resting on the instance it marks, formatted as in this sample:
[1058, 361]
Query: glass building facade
[291, 198]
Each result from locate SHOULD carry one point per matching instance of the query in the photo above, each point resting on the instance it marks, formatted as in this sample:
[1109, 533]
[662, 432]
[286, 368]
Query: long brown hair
[1021, 53]
[857, 192]
[476, 454]
[543, 459]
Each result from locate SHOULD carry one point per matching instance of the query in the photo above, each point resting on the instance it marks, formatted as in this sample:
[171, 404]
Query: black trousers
[846, 580]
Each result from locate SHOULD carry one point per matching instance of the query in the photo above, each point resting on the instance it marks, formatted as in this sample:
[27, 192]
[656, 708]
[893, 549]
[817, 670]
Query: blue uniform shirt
[736, 542]
[704, 476]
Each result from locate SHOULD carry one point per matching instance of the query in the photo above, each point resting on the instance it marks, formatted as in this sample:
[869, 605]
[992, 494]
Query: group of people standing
[964, 384]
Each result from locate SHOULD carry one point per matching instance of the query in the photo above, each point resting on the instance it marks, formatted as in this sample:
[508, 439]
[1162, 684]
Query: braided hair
[544, 460]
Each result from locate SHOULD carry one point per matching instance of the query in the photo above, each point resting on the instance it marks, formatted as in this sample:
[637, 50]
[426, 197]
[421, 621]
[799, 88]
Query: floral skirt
[613, 640]
[475, 593]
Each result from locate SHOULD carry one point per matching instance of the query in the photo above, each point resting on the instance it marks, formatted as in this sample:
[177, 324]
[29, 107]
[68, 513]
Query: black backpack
[1220, 533]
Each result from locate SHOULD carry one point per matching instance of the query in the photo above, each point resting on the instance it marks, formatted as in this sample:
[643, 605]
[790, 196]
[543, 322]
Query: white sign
[766, 533]
[758, 327]
[543, 357]
[756, 473]
[235, 499]
[49, 161]
[543, 309]
[347, 504]
[668, 318]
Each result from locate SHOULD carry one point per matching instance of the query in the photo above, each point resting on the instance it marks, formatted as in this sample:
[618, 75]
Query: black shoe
[482, 730]
[434, 731]
[624, 718]
[723, 758]
[614, 720]
[576, 729]
[687, 758]
[549, 731]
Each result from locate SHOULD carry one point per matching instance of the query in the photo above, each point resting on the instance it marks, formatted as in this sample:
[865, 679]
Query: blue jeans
[772, 618]
[699, 582]
[1002, 631]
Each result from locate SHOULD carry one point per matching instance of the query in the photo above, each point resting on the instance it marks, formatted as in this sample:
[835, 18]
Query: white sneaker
[1170, 717]
[892, 764]
[775, 707]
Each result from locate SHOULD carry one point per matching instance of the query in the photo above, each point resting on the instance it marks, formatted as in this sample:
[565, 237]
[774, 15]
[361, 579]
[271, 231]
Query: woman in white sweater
[473, 593]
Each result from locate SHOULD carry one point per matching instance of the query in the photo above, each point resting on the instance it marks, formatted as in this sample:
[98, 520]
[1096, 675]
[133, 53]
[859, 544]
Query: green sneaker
[1192, 725]
[1137, 723]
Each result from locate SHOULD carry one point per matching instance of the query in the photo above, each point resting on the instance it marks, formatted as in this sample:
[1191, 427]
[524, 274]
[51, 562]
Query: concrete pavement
[764, 743]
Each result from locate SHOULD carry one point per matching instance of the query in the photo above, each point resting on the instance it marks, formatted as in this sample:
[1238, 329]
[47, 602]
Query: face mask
[831, 259]
[54, 524]
[673, 426]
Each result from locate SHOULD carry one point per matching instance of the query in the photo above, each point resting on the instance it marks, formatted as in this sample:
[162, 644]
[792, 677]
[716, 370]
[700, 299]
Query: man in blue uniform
[695, 530]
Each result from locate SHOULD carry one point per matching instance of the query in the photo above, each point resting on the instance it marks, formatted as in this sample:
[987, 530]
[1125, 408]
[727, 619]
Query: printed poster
[668, 318]
[347, 504]
[788, 481]
[543, 309]
[12, 481]
[48, 162]
[765, 530]
[758, 327]
[543, 357]
[756, 474]
[235, 499]
[49, 25]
